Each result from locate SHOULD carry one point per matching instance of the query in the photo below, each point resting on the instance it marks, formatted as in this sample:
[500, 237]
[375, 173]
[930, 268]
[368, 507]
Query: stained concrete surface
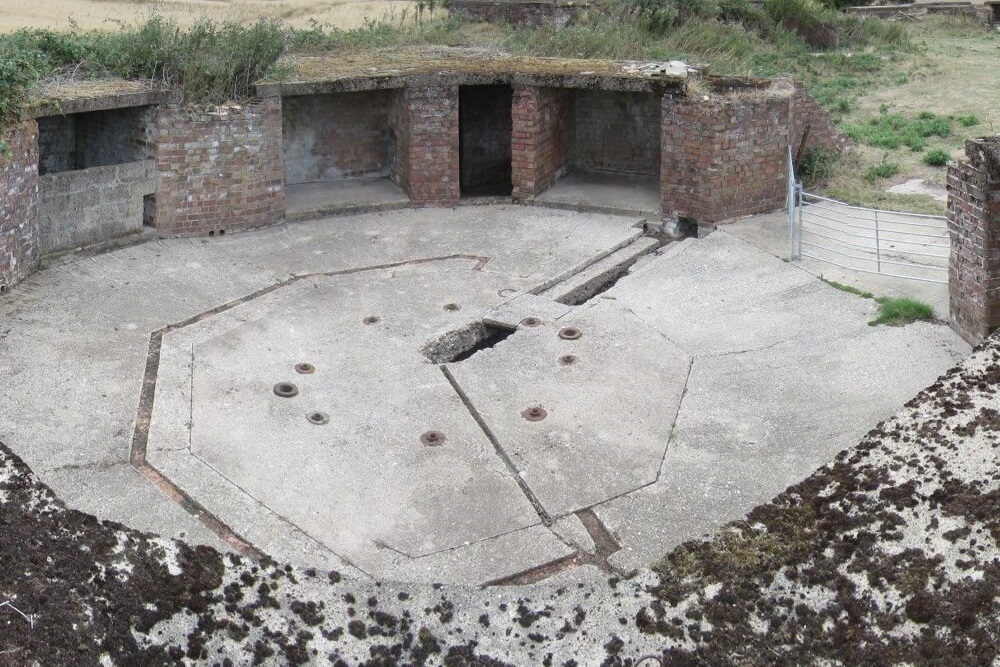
[625, 193]
[308, 201]
[706, 381]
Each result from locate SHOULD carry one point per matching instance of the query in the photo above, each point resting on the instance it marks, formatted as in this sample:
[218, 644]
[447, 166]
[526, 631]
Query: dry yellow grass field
[57, 14]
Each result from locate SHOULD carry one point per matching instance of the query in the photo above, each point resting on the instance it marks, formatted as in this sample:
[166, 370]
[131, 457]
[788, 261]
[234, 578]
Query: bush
[895, 130]
[816, 165]
[883, 169]
[936, 158]
[968, 120]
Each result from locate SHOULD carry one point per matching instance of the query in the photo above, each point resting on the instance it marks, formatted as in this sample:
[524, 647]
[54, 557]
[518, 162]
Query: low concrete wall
[89, 206]
[19, 204]
[535, 14]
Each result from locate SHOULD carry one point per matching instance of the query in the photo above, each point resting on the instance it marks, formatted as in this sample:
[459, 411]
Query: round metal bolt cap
[568, 359]
[535, 413]
[286, 389]
[433, 438]
[452, 307]
[305, 369]
[371, 319]
[570, 333]
[531, 321]
[318, 418]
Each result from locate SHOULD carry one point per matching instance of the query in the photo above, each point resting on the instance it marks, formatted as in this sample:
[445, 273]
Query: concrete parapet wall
[535, 14]
[19, 203]
[219, 171]
[974, 227]
[90, 206]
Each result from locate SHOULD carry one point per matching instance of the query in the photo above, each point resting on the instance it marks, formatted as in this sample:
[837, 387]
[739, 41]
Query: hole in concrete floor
[452, 307]
[371, 319]
[568, 359]
[460, 344]
[286, 389]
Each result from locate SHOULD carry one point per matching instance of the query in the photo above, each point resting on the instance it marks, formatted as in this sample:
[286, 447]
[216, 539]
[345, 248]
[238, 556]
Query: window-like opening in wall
[484, 118]
[93, 139]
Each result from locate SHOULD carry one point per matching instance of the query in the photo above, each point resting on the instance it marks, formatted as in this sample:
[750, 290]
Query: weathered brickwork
[19, 204]
[808, 114]
[219, 171]
[535, 14]
[337, 136]
[974, 227]
[541, 136]
[616, 131]
[725, 158]
[427, 144]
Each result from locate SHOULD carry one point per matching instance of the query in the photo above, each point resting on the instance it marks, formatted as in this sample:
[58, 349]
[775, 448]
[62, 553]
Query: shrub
[936, 158]
[895, 130]
[968, 120]
[884, 169]
[816, 165]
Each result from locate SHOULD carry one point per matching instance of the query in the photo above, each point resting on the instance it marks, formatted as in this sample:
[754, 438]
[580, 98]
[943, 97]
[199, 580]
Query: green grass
[895, 130]
[897, 311]
[936, 158]
[882, 170]
[848, 288]
[892, 311]
[968, 120]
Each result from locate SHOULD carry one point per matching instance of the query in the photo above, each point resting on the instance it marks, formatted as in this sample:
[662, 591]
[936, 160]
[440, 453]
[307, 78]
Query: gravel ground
[889, 554]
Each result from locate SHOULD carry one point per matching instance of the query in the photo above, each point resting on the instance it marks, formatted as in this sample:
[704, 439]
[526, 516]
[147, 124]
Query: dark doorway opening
[484, 119]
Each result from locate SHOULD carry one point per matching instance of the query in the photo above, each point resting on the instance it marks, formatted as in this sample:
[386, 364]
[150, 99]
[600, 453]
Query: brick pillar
[974, 227]
[427, 161]
[220, 170]
[540, 142]
[19, 203]
[724, 158]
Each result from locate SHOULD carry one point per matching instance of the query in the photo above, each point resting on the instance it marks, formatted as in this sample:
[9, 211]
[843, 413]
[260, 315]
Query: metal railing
[913, 246]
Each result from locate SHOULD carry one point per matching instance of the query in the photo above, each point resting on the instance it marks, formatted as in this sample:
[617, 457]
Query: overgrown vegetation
[884, 169]
[936, 158]
[895, 130]
[892, 311]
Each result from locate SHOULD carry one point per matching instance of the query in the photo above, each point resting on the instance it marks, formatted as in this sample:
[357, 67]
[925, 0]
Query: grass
[895, 130]
[897, 311]
[892, 311]
[882, 170]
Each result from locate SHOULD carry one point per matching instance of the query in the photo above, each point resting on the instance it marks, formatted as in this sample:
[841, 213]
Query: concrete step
[594, 279]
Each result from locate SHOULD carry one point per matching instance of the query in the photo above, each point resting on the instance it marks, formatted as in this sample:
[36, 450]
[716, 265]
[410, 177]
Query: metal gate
[891, 243]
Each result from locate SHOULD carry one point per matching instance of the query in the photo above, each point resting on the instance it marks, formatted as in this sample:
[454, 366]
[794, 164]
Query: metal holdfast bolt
[531, 321]
[535, 413]
[286, 389]
[433, 438]
[305, 368]
[570, 333]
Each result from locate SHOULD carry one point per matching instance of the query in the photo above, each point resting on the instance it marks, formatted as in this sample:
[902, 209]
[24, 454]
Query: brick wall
[974, 228]
[88, 206]
[541, 138]
[337, 136]
[616, 131]
[427, 144]
[218, 171]
[724, 158]
[19, 204]
[56, 144]
[807, 113]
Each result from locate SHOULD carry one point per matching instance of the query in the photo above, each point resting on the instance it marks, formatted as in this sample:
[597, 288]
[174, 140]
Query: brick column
[219, 171]
[974, 227]
[19, 203]
[540, 140]
[427, 161]
[724, 158]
